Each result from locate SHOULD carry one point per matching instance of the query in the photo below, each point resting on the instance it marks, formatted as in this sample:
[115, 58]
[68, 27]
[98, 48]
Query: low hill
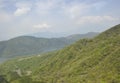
[86, 61]
[27, 45]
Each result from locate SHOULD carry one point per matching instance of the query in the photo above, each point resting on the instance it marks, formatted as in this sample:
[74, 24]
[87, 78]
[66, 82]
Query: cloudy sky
[19, 17]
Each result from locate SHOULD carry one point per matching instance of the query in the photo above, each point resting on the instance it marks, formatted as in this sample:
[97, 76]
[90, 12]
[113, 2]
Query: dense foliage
[86, 61]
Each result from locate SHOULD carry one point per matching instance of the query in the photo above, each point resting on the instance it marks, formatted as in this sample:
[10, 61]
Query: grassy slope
[86, 61]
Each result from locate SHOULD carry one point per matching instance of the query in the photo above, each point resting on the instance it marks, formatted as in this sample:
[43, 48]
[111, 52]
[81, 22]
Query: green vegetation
[2, 79]
[94, 60]
[27, 45]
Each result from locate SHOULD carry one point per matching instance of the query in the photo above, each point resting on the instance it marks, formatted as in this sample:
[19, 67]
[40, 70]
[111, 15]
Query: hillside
[27, 45]
[86, 61]
[82, 36]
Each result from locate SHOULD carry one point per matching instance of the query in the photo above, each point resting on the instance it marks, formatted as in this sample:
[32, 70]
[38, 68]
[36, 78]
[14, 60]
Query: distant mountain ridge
[59, 35]
[28, 45]
[82, 36]
[48, 35]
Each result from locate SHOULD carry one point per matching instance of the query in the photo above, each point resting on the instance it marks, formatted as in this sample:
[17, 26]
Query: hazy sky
[19, 17]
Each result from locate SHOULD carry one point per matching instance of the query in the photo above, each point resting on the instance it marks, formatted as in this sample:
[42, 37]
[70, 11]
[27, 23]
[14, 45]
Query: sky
[21, 17]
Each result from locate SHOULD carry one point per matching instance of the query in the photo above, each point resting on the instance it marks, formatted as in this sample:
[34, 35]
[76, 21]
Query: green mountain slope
[86, 61]
[27, 45]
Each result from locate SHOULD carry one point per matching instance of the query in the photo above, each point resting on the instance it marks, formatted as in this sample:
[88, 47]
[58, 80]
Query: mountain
[28, 45]
[48, 34]
[82, 36]
[94, 60]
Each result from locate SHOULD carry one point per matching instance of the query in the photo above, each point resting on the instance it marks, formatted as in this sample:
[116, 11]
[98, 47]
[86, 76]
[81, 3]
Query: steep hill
[86, 61]
[27, 45]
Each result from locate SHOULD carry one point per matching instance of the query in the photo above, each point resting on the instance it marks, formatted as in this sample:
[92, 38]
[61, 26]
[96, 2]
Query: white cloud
[42, 26]
[95, 19]
[21, 11]
[75, 10]
[22, 8]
